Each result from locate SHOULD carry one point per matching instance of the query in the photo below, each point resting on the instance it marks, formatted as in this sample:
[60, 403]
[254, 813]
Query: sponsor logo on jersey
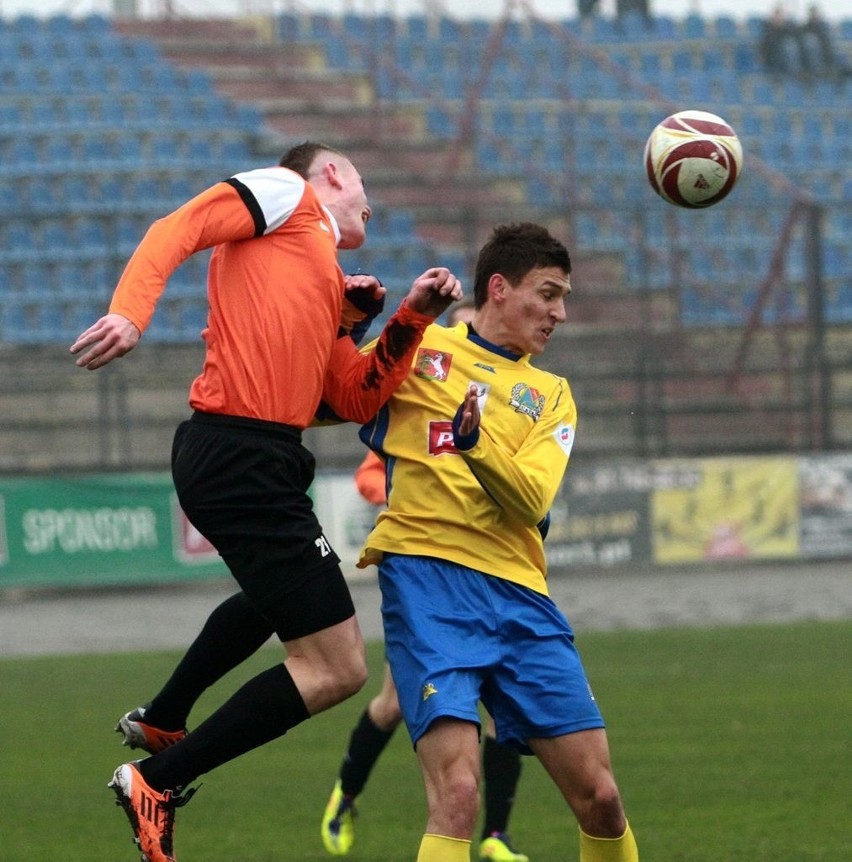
[564, 435]
[489, 368]
[441, 438]
[482, 390]
[433, 364]
[429, 690]
[527, 400]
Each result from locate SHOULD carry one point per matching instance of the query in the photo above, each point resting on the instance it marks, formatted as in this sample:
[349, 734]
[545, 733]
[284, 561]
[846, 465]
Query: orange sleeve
[357, 384]
[370, 479]
[215, 216]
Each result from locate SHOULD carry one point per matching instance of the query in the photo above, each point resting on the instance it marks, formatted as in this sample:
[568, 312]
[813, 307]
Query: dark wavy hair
[513, 250]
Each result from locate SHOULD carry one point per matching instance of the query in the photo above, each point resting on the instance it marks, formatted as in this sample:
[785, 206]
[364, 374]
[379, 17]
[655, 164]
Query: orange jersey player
[275, 348]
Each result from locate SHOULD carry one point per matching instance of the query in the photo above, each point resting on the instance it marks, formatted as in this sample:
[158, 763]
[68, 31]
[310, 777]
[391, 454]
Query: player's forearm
[523, 486]
[357, 385]
[145, 276]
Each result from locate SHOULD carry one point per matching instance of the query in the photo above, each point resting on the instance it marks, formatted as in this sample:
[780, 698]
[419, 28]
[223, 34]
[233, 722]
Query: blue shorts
[454, 636]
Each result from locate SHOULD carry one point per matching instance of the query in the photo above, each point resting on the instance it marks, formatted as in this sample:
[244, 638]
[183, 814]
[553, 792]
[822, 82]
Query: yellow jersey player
[476, 441]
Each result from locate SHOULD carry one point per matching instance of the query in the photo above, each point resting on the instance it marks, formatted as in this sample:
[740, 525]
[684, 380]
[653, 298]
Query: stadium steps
[303, 99]
[351, 127]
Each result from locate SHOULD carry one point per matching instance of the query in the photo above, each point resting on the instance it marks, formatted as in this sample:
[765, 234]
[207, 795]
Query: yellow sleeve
[215, 216]
[525, 484]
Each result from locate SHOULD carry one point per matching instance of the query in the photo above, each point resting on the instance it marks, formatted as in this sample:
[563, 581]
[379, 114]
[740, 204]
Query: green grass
[729, 744]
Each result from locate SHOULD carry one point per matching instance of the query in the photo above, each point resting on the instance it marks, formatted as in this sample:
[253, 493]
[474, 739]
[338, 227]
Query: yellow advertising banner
[726, 508]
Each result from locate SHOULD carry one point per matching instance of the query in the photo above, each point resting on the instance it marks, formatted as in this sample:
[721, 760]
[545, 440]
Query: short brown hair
[300, 157]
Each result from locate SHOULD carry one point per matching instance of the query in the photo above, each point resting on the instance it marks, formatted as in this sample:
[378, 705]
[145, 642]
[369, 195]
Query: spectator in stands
[275, 345]
[623, 8]
[587, 9]
[780, 44]
[819, 57]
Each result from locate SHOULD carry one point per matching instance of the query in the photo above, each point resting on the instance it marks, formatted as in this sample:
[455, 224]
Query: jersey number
[323, 545]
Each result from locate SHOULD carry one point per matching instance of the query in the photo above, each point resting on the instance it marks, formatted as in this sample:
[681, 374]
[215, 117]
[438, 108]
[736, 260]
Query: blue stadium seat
[92, 236]
[322, 26]
[11, 115]
[725, 27]
[141, 51]
[633, 28]
[18, 236]
[289, 26]
[54, 238]
[449, 31]
[693, 27]
[682, 63]
[15, 323]
[199, 81]
[665, 27]
[417, 27]
[96, 25]
[746, 59]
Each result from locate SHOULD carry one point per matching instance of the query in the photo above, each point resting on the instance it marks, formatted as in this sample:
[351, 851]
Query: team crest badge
[429, 690]
[433, 364]
[527, 400]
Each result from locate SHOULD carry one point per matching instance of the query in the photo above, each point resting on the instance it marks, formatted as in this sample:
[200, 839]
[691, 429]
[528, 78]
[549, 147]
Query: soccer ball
[693, 159]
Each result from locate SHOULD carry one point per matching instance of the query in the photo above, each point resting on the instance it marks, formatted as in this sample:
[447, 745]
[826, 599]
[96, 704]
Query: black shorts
[243, 483]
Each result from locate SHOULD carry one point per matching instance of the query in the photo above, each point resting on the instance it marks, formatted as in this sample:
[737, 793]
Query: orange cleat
[151, 813]
[138, 734]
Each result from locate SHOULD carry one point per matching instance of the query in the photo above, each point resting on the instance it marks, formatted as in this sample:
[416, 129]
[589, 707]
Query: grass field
[730, 745]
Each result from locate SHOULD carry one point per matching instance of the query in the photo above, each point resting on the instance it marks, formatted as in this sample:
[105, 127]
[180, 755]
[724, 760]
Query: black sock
[265, 708]
[365, 745]
[501, 769]
[233, 632]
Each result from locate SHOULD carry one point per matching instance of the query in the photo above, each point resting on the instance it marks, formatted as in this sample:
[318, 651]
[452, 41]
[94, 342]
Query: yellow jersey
[479, 507]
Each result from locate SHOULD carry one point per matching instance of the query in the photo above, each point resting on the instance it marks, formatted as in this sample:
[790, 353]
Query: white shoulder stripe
[277, 192]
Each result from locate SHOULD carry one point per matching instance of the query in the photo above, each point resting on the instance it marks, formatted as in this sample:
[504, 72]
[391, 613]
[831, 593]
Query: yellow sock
[609, 849]
[439, 848]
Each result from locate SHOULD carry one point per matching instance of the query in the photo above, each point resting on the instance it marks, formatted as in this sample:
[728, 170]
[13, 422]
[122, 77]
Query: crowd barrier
[128, 529]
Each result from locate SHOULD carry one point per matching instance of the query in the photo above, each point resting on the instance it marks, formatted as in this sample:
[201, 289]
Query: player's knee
[603, 814]
[344, 678]
[385, 712]
[353, 677]
[458, 801]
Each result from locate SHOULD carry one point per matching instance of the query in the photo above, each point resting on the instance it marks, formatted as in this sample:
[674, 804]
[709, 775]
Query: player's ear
[497, 287]
[332, 175]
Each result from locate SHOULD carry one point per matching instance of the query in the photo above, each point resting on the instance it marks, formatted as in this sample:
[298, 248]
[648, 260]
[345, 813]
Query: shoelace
[346, 805]
[168, 807]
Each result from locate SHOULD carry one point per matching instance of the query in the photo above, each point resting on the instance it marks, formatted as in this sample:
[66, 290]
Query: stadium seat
[725, 27]
[693, 27]
[96, 25]
[665, 27]
[111, 98]
[92, 236]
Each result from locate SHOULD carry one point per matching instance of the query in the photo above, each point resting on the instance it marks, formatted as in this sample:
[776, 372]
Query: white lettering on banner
[75, 530]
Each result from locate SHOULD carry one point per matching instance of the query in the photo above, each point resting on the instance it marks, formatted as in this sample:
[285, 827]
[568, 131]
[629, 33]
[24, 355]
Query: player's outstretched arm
[357, 384]
[112, 336]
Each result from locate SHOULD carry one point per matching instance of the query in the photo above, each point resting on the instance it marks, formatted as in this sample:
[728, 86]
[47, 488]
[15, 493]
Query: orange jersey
[275, 290]
[370, 479]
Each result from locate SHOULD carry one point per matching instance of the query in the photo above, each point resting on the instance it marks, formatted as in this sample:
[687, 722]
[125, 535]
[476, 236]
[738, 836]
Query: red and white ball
[693, 159]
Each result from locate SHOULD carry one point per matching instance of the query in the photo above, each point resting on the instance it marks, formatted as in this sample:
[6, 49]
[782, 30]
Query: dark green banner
[98, 530]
